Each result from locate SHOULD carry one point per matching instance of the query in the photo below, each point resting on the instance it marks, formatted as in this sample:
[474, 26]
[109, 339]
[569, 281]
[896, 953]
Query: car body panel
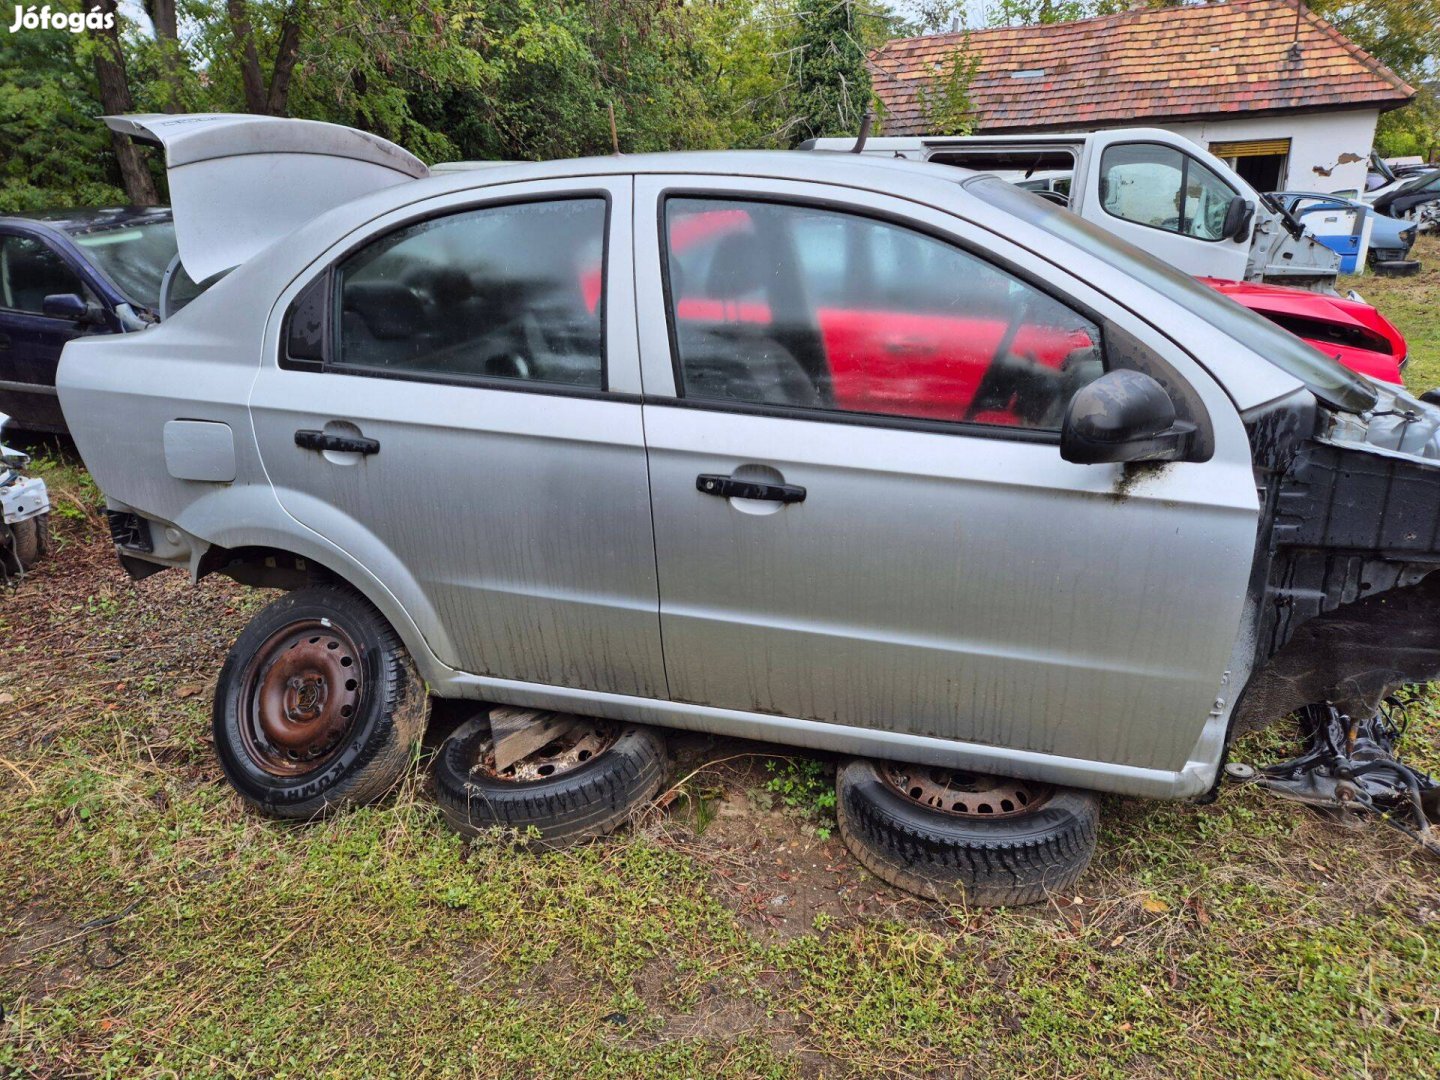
[1389, 238]
[1127, 686]
[1357, 334]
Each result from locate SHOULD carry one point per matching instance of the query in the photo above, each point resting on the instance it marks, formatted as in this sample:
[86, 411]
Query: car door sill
[1194, 779]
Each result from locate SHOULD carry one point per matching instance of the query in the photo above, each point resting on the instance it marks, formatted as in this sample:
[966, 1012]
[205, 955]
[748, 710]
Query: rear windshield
[1327, 380]
[134, 257]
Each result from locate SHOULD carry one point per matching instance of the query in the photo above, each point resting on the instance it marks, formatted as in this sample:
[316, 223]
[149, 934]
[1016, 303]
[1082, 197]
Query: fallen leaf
[7, 699]
[1119, 940]
[1155, 905]
[188, 691]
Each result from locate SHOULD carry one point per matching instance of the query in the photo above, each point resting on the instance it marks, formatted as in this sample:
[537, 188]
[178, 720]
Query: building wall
[1317, 141]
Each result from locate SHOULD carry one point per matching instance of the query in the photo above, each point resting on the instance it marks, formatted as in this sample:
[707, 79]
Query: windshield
[134, 257]
[1329, 381]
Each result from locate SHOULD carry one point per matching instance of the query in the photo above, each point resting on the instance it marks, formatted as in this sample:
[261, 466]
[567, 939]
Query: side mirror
[1237, 219]
[1123, 416]
[73, 307]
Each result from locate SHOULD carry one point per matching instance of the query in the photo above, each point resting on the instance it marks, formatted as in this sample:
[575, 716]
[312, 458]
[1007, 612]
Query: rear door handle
[309, 439]
[726, 487]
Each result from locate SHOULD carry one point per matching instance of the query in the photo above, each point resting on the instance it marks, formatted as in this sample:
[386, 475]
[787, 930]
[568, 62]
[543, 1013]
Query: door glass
[792, 305]
[31, 270]
[508, 292]
[1161, 187]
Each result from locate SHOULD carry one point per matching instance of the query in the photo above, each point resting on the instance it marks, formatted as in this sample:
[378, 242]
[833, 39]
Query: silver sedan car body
[949, 590]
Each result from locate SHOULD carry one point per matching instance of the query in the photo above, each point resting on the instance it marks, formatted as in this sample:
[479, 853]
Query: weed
[807, 786]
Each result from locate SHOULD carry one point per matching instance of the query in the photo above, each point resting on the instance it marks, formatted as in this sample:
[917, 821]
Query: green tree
[830, 76]
[1405, 36]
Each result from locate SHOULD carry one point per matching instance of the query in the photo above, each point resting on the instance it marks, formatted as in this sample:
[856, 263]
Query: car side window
[1155, 185]
[31, 270]
[502, 292]
[784, 304]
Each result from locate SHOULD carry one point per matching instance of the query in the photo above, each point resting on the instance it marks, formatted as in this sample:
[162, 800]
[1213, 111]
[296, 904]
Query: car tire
[588, 799]
[989, 857]
[317, 706]
[29, 546]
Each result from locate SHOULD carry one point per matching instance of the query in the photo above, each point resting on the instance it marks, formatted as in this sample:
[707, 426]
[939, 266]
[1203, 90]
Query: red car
[1351, 331]
[948, 351]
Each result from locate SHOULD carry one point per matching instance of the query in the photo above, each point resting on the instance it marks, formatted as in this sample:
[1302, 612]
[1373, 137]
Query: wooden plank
[518, 733]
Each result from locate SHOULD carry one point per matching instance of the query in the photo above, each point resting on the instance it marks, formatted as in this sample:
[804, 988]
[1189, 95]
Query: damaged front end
[24, 514]
[1347, 606]
[1349, 769]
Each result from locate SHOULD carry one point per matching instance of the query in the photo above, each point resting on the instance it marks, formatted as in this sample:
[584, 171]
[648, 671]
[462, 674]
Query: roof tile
[1151, 64]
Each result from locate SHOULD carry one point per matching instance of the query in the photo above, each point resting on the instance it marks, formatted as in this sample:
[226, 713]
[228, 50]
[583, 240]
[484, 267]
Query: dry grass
[149, 927]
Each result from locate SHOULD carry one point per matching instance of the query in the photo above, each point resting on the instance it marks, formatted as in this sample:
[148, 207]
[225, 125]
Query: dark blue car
[64, 273]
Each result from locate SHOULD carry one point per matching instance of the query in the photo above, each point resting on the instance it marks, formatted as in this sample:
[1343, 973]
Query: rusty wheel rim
[581, 744]
[302, 697]
[965, 794]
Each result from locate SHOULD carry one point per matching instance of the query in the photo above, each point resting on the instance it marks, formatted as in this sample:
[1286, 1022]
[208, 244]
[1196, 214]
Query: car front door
[30, 340]
[861, 513]
[1165, 200]
[456, 406]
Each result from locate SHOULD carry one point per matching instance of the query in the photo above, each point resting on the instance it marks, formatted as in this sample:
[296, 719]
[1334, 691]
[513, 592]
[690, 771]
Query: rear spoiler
[240, 182]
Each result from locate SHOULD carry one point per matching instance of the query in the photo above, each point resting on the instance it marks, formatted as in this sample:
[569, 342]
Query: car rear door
[456, 406]
[862, 546]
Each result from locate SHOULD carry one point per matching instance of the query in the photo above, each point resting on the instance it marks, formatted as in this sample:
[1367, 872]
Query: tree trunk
[250, 77]
[287, 52]
[167, 35]
[114, 99]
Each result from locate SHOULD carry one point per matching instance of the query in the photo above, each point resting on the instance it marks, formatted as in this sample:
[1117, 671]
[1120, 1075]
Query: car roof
[81, 220]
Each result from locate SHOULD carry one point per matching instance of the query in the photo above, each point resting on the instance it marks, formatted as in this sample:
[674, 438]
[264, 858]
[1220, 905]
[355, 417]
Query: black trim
[824, 414]
[484, 382]
[1184, 183]
[860, 419]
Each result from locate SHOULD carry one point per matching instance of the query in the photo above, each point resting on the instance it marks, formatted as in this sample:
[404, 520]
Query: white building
[1268, 85]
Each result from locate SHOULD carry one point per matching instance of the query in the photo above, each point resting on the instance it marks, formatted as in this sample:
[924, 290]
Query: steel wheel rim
[965, 794]
[301, 698]
[581, 744]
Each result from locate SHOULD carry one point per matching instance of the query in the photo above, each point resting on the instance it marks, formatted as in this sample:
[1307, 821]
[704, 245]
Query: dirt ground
[150, 926]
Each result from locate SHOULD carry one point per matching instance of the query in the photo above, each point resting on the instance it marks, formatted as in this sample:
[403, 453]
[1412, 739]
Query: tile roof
[1205, 60]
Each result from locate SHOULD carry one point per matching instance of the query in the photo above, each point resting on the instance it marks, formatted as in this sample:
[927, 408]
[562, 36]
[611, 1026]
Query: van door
[1153, 191]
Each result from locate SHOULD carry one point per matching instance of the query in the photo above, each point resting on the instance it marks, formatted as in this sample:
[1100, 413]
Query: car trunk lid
[238, 182]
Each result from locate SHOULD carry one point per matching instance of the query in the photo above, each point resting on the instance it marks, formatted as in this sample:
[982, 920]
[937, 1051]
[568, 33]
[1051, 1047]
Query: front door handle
[309, 439]
[727, 487]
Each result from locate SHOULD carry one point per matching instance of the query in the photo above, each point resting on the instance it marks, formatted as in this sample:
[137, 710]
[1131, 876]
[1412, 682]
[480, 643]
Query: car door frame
[37, 322]
[399, 594]
[1231, 465]
[1230, 259]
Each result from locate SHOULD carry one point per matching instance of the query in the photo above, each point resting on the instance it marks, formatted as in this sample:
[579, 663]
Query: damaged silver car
[831, 451]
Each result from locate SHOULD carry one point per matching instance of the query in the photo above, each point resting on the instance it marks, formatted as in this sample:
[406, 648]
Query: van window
[1161, 187]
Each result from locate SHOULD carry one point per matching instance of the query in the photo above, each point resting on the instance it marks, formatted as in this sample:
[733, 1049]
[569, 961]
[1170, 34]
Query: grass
[150, 927]
[1413, 305]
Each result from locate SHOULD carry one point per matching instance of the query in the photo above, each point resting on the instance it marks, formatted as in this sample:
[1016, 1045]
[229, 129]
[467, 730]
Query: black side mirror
[74, 307]
[66, 305]
[1237, 219]
[1123, 416]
